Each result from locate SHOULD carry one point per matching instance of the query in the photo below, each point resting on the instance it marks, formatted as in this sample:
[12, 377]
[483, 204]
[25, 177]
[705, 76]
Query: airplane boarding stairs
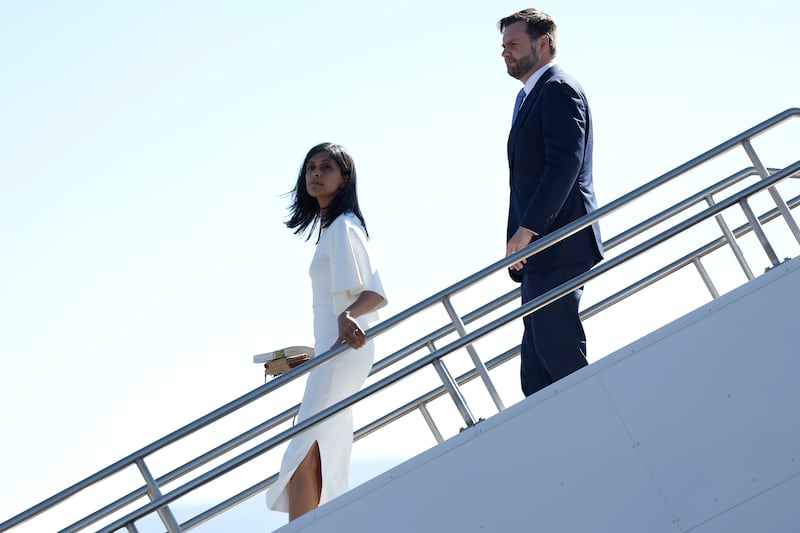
[687, 421]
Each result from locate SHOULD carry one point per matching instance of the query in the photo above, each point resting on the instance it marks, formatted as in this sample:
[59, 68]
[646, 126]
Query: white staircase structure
[691, 428]
[689, 424]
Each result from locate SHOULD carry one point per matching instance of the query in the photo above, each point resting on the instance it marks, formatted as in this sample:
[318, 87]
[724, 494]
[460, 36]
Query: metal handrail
[465, 340]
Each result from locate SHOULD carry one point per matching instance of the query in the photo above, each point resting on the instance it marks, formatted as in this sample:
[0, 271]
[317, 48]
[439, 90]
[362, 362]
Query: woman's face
[323, 178]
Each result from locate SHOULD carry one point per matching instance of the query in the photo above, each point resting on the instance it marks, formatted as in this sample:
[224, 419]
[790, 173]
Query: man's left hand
[521, 238]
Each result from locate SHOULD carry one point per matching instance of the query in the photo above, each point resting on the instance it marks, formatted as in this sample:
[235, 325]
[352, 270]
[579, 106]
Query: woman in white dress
[347, 291]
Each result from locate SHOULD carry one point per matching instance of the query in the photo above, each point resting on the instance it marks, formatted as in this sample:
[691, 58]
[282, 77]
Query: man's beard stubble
[523, 65]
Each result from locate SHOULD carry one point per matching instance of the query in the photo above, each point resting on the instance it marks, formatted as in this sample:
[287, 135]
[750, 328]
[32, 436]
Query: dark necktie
[518, 104]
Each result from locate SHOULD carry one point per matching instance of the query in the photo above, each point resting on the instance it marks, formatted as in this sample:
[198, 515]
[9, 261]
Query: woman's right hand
[350, 332]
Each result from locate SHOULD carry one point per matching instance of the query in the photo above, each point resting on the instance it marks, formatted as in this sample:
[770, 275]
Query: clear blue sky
[145, 148]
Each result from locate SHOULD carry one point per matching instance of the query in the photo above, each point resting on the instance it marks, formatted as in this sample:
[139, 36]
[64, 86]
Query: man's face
[519, 52]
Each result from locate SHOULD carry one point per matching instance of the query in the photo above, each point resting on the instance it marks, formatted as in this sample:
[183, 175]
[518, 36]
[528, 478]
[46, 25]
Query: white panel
[566, 464]
[774, 511]
[713, 405]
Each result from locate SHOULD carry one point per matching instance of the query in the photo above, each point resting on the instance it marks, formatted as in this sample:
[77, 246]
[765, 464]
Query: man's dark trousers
[553, 343]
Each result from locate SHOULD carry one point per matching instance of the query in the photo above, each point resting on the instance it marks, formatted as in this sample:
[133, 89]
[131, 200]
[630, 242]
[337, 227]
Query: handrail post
[426, 414]
[776, 197]
[706, 278]
[452, 388]
[737, 251]
[154, 492]
[484, 373]
[758, 229]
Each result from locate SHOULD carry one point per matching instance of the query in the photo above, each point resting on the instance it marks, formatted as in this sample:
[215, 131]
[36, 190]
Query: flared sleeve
[353, 269]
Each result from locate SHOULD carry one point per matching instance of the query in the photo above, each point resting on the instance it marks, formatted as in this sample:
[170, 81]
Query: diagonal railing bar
[359, 434]
[410, 407]
[679, 207]
[680, 263]
[230, 503]
[184, 431]
[443, 331]
[609, 244]
[431, 395]
[188, 467]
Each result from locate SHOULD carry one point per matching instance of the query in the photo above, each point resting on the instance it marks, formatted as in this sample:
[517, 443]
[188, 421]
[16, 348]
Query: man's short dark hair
[537, 23]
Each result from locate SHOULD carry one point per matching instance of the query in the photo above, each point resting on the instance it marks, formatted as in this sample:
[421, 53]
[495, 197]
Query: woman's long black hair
[305, 211]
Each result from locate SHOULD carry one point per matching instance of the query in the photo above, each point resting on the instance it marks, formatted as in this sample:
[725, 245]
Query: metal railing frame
[160, 502]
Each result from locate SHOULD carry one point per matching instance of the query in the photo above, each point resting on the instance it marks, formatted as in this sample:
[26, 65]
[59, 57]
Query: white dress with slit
[342, 268]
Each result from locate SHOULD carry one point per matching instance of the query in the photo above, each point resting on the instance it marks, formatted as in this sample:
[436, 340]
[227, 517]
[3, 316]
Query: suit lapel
[525, 110]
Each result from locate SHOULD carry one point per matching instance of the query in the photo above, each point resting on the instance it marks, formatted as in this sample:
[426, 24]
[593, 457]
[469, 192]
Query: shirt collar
[536, 77]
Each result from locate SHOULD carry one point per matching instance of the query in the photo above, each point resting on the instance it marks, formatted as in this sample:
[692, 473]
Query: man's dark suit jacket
[550, 164]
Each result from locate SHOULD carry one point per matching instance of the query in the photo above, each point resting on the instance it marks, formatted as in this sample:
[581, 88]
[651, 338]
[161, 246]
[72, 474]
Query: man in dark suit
[550, 164]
